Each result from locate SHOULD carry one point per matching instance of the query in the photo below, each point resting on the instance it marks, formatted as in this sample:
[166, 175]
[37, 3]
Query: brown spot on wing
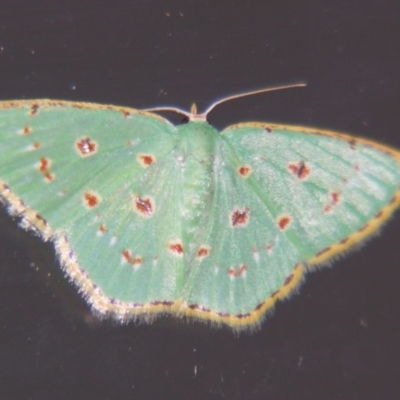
[300, 169]
[240, 217]
[378, 214]
[244, 171]
[162, 303]
[126, 254]
[204, 251]
[34, 109]
[284, 221]
[352, 143]
[27, 130]
[44, 169]
[102, 229]
[176, 247]
[91, 199]
[146, 159]
[234, 273]
[243, 315]
[323, 251]
[144, 206]
[40, 218]
[288, 279]
[134, 261]
[334, 199]
[86, 146]
[44, 164]
[363, 228]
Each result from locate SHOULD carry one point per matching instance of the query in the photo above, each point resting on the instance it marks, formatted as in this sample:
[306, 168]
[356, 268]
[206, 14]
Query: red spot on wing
[204, 251]
[240, 217]
[126, 254]
[334, 199]
[136, 261]
[102, 229]
[44, 164]
[27, 130]
[300, 169]
[244, 170]
[145, 159]
[176, 247]
[36, 145]
[49, 176]
[284, 221]
[144, 206]
[268, 247]
[91, 199]
[235, 273]
[242, 269]
[44, 169]
[86, 146]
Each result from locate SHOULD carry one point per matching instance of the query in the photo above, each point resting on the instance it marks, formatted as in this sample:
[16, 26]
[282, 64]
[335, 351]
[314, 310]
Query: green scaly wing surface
[301, 196]
[98, 181]
[149, 218]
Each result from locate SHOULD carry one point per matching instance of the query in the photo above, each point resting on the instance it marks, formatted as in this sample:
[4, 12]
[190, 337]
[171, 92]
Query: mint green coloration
[270, 191]
[216, 221]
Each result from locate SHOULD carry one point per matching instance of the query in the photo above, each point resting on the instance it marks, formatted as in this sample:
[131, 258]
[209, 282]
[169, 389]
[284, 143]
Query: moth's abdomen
[196, 157]
[196, 197]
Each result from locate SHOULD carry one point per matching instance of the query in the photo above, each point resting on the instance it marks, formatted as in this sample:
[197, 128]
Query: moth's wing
[102, 183]
[332, 185]
[308, 195]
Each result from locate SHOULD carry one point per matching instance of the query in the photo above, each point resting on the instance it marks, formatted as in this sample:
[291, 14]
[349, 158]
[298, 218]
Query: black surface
[338, 339]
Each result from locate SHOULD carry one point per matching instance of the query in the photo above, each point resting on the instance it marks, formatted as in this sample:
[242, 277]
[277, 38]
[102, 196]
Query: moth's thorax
[197, 139]
[195, 153]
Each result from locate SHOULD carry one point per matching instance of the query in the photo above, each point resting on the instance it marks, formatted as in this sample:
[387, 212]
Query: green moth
[150, 218]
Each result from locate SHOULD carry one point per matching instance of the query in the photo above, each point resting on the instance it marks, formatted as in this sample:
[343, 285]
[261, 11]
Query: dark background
[338, 339]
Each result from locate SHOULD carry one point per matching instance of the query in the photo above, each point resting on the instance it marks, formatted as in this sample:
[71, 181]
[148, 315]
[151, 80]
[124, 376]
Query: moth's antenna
[193, 116]
[237, 96]
[171, 109]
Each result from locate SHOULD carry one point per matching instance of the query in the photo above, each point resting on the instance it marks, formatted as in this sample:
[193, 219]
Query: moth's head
[193, 116]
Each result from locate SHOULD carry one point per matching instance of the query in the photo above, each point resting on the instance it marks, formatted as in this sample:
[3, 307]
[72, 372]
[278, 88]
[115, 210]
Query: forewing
[330, 185]
[101, 182]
